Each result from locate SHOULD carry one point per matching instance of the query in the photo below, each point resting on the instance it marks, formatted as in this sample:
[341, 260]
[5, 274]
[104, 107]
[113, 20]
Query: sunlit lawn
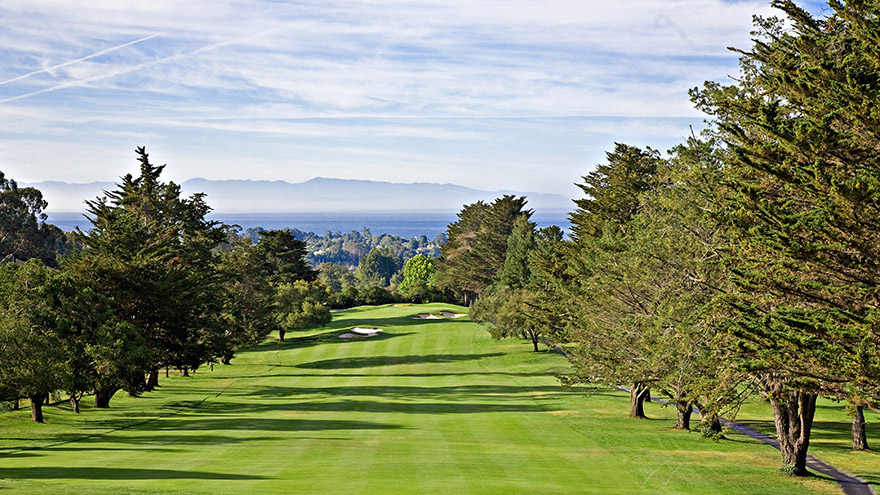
[429, 406]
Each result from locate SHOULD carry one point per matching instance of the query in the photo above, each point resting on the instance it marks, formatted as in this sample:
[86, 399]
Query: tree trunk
[637, 400]
[684, 410]
[534, 337]
[74, 403]
[102, 397]
[281, 335]
[793, 415]
[710, 427]
[859, 437]
[184, 371]
[226, 358]
[152, 379]
[37, 407]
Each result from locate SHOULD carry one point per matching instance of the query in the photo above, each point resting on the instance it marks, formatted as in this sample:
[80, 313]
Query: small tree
[419, 275]
[24, 233]
[299, 305]
[32, 362]
[477, 246]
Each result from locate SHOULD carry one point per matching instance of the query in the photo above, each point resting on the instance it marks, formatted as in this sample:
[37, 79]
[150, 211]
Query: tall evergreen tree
[284, 257]
[247, 299]
[803, 200]
[150, 250]
[477, 246]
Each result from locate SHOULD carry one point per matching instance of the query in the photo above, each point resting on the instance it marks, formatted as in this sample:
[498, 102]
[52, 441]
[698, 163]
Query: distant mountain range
[316, 195]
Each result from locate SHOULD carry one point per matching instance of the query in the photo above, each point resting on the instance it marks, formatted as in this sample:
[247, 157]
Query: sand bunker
[366, 331]
[425, 316]
[449, 314]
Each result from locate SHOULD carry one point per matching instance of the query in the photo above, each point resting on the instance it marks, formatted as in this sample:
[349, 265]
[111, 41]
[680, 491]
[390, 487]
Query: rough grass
[428, 406]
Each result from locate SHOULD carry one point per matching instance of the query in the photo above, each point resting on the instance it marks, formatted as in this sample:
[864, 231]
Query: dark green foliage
[24, 233]
[631, 302]
[336, 276]
[32, 362]
[296, 297]
[300, 304]
[515, 272]
[612, 190]
[477, 246]
[58, 334]
[803, 203]
[378, 267]
[283, 257]
[348, 248]
[151, 252]
[246, 308]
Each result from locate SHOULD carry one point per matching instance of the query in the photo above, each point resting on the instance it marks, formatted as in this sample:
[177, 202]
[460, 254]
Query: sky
[519, 95]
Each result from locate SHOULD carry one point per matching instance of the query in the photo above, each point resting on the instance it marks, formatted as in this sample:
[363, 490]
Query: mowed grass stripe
[434, 406]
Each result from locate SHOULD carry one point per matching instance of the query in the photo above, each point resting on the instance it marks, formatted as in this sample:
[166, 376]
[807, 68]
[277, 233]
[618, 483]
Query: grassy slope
[431, 406]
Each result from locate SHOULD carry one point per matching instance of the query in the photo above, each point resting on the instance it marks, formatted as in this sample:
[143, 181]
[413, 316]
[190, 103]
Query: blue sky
[514, 94]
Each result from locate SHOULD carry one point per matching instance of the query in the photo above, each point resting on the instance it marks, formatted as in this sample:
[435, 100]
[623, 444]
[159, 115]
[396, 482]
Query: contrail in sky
[126, 70]
[65, 64]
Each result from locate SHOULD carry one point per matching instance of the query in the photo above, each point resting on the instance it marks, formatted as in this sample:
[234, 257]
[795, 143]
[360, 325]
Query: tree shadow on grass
[466, 399]
[277, 425]
[830, 435]
[329, 337]
[403, 321]
[103, 473]
[332, 337]
[372, 361]
[455, 392]
[406, 375]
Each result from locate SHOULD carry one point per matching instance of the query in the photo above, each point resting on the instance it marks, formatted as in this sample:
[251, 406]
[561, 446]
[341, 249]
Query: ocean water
[407, 224]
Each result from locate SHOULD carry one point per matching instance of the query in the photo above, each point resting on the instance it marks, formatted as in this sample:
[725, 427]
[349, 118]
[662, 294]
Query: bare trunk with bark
[859, 436]
[684, 410]
[227, 357]
[37, 407]
[793, 415]
[103, 396]
[74, 402]
[534, 336]
[281, 334]
[152, 379]
[637, 400]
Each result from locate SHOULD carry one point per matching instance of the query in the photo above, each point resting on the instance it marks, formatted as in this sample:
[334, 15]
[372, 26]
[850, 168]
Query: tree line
[743, 261]
[151, 285]
[154, 285]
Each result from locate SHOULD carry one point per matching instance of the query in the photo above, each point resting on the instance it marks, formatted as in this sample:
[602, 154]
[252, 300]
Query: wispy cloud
[81, 59]
[422, 81]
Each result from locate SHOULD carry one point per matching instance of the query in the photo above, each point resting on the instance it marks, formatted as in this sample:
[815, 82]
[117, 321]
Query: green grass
[429, 406]
[831, 438]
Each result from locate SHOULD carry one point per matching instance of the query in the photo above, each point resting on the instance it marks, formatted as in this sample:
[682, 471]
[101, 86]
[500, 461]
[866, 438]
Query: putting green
[425, 406]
